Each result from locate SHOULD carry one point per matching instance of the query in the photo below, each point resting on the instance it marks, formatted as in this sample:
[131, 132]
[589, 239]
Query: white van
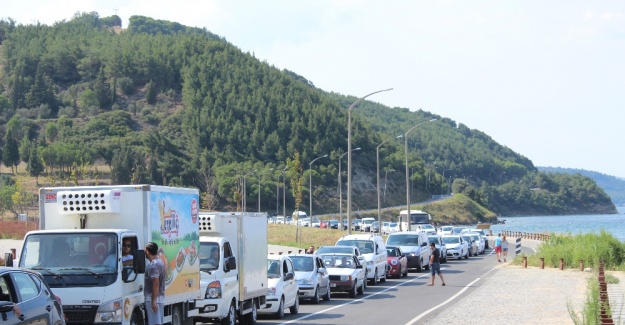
[415, 244]
[365, 224]
[373, 250]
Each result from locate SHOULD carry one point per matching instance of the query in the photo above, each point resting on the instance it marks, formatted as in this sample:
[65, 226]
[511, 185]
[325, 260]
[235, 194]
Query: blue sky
[544, 78]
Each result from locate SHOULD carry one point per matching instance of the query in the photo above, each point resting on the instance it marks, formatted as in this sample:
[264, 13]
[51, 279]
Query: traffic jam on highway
[209, 273]
[364, 258]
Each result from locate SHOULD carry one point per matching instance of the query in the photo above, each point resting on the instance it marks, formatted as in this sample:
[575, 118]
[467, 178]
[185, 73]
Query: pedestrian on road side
[435, 264]
[504, 247]
[154, 285]
[498, 247]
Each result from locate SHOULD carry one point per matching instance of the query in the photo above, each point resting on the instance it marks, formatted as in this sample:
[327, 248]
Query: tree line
[163, 103]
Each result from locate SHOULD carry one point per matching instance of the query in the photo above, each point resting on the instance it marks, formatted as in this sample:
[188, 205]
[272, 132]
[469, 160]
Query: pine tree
[11, 153]
[35, 163]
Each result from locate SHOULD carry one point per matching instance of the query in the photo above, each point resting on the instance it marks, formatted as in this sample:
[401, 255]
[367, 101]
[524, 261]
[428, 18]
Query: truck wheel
[136, 318]
[249, 318]
[280, 312]
[231, 319]
[315, 298]
[176, 316]
[295, 308]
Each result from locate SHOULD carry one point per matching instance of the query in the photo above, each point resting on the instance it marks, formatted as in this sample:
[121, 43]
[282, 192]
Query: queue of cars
[356, 261]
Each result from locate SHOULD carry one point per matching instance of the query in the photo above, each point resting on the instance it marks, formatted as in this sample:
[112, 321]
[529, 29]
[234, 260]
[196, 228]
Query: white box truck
[78, 250]
[233, 264]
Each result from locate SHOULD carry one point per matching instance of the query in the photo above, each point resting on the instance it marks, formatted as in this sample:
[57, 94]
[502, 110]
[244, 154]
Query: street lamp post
[341, 192]
[284, 193]
[377, 160]
[408, 175]
[349, 158]
[385, 176]
[310, 182]
[244, 199]
[445, 181]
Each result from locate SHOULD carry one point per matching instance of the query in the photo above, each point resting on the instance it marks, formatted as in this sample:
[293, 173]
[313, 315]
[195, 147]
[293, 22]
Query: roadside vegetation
[591, 248]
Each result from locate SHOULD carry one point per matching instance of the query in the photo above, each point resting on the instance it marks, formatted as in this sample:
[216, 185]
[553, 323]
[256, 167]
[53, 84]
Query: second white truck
[233, 264]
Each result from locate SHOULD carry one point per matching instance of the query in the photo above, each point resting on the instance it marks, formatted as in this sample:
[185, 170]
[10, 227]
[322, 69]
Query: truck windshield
[417, 218]
[209, 256]
[75, 253]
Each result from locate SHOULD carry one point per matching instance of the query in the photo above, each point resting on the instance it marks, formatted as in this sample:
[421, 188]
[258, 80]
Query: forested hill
[162, 103]
[613, 186]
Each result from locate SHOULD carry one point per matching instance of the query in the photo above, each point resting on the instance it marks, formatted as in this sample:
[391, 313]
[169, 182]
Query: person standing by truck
[154, 291]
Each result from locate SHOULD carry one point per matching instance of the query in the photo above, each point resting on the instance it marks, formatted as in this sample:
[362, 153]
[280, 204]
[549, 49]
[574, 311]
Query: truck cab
[80, 250]
[233, 267]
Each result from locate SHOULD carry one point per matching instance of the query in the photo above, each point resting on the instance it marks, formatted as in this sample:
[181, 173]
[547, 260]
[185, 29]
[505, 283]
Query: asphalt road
[401, 301]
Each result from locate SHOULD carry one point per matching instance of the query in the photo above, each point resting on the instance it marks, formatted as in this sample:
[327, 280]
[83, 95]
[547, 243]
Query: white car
[386, 227]
[428, 228]
[282, 287]
[346, 273]
[473, 248]
[312, 277]
[446, 230]
[456, 247]
[481, 245]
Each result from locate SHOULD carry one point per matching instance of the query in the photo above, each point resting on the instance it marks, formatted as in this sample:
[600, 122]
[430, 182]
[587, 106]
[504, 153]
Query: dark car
[25, 298]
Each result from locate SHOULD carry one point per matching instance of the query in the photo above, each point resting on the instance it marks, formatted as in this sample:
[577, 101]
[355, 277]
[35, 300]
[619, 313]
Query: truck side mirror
[231, 263]
[138, 262]
[8, 259]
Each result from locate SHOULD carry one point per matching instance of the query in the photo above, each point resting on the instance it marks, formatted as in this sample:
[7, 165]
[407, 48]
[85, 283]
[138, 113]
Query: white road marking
[414, 320]
[357, 300]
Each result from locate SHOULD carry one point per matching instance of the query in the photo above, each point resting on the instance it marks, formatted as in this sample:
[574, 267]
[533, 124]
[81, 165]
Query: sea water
[573, 224]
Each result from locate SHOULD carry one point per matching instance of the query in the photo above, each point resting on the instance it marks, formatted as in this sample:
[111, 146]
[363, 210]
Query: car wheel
[280, 312]
[231, 318]
[327, 295]
[374, 281]
[315, 298]
[361, 289]
[419, 266]
[405, 274]
[466, 257]
[383, 278]
[352, 292]
[295, 308]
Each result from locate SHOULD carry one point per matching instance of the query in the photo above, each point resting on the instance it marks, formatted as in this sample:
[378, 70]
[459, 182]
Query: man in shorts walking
[435, 264]
[498, 247]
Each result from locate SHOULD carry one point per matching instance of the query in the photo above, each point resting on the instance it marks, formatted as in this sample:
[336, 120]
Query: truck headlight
[271, 291]
[110, 312]
[213, 291]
